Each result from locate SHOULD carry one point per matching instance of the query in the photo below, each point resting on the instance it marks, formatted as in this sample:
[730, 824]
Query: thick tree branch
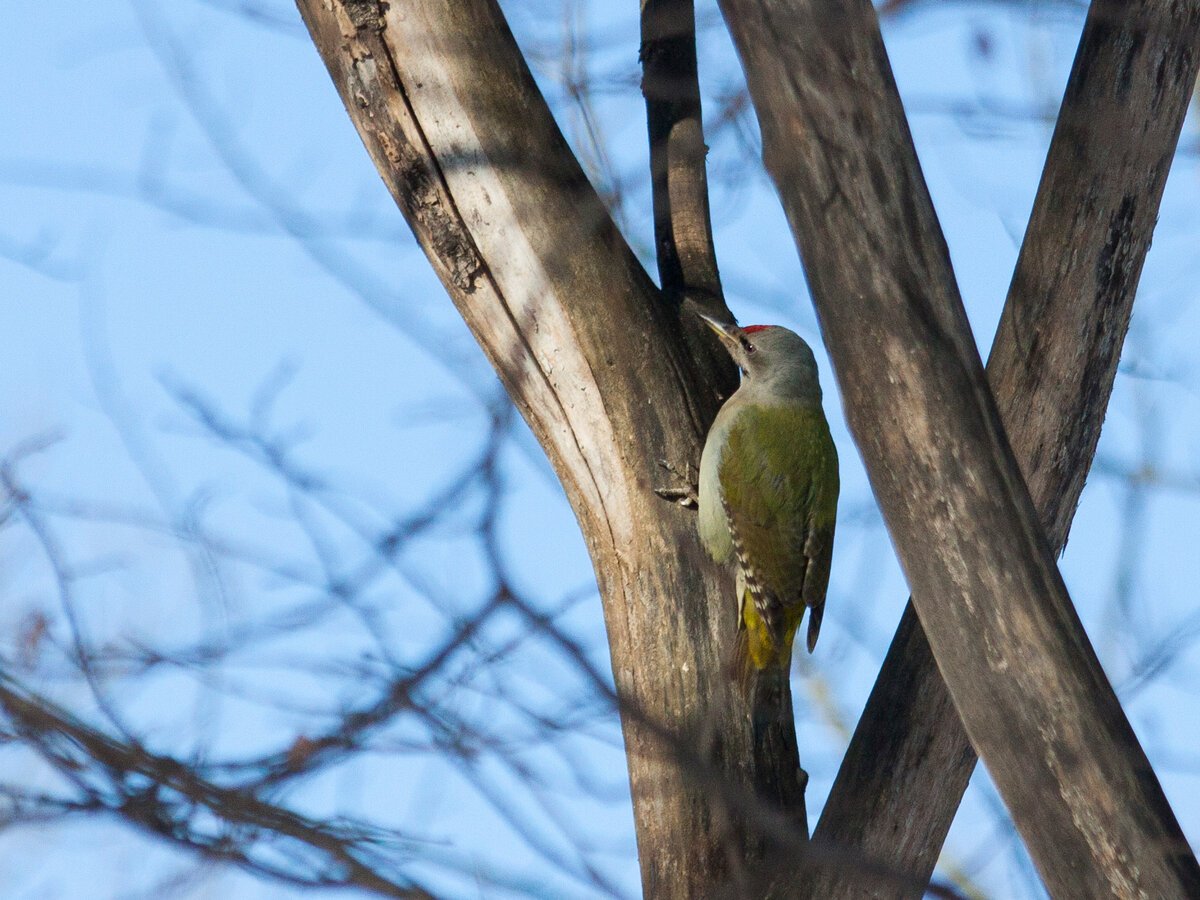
[683, 240]
[687, 265]
[597, 364]
[1017, 663]
[1051, 368]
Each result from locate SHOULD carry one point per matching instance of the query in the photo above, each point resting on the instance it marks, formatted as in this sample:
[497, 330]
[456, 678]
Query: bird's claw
[686, 496]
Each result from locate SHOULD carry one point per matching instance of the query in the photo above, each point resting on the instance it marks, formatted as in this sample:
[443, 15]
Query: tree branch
[1016, 660]
[1052, 367]
[165, 796]
[670, 83]
[687, 266]
[597, 364]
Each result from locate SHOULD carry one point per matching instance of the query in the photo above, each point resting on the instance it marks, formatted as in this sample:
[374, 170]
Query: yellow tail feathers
[759, 647]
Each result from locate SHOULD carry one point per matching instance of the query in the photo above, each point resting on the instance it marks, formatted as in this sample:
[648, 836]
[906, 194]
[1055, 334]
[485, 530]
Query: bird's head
[770, 354]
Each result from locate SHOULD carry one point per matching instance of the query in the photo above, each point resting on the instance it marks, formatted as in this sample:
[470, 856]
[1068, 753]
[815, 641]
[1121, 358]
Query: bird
[768, 492]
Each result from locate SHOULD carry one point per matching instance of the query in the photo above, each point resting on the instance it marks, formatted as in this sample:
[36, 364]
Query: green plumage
[779, 487]
[768, 493]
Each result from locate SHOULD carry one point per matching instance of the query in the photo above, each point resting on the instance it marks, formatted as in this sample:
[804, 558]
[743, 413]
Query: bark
[1051, 369]
[688, 270]
[595, 359]
[683, 241]
[1015, 658]
[670, 83]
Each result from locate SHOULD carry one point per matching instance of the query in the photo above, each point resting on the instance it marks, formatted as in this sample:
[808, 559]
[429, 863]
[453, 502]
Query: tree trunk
[1052, 367]
[595, 359]
[1006, 638]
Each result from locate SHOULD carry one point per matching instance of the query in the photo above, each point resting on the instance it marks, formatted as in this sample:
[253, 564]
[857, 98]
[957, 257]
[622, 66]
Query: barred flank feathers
[752, 580]
[764, 636]
[767, 610]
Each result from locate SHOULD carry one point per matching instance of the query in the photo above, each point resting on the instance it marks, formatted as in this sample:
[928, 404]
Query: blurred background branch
[269, 521]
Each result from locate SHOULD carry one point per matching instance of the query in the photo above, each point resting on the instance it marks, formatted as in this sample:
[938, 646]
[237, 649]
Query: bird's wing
[771, 474]
[818, 546]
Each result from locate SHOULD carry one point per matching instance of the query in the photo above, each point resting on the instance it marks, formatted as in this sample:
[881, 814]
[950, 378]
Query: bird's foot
[686, 494]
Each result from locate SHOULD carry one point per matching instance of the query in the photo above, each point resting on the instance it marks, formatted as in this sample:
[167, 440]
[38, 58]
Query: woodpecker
[768, 492]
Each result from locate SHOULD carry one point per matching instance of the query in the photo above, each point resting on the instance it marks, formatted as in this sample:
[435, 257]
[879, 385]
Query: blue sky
[189, 213]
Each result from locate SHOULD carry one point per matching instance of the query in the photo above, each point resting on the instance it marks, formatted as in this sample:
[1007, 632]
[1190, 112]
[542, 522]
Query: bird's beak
[729, 333]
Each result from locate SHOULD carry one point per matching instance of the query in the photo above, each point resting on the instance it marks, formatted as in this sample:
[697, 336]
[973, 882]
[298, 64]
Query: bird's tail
[762, 644]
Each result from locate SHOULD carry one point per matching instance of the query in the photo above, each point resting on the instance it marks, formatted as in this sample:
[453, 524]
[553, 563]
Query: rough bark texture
[683, 241]
[670, 83]
[1017, 663]
[688, 270]
[595, 360]
[1051, 369]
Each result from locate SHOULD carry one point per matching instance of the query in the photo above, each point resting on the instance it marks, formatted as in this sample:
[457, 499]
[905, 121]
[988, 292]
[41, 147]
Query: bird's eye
[748, 347]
